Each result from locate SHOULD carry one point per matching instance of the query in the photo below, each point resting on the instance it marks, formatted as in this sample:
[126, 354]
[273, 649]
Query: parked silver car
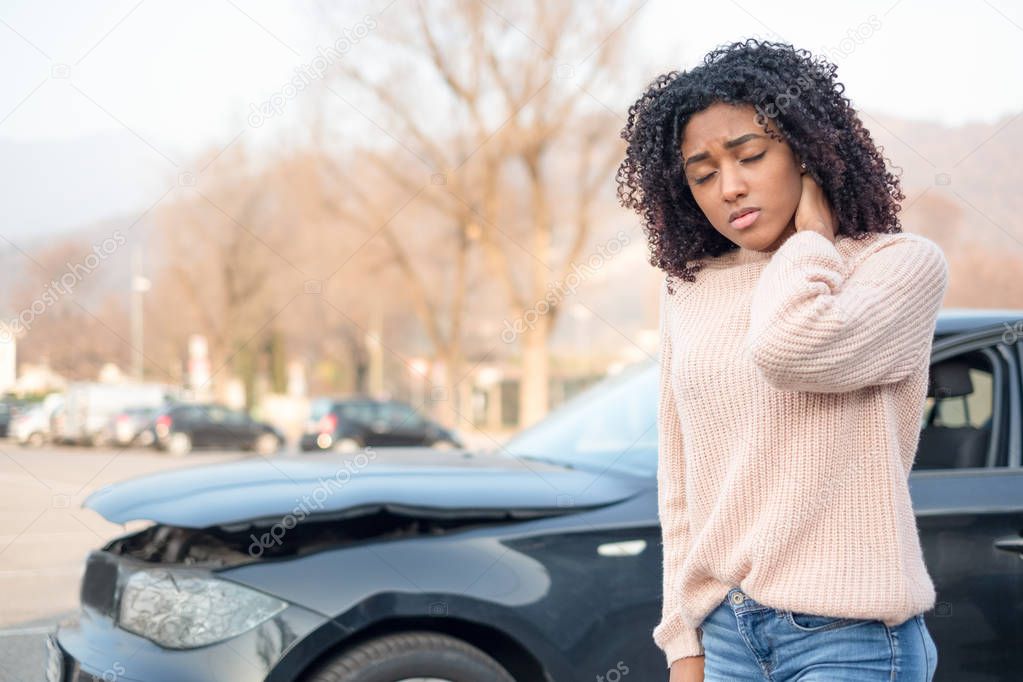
[33, 427]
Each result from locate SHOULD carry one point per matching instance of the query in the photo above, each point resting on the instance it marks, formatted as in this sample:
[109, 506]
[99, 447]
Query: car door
[379, 431]
[191, 419]
[404, 424]
[240, 430]
[212, 422]
[361, 420]
[967, 488]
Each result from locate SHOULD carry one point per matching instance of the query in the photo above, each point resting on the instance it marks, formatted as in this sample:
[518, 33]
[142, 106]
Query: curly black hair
[796, 90]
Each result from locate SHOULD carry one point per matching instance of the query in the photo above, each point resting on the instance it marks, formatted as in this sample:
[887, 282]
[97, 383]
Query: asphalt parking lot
[45, 536]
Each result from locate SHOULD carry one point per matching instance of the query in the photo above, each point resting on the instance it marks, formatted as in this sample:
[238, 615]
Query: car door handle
[1013, 544]
[626, 548]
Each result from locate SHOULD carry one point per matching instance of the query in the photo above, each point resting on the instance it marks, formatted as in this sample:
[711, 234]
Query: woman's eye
[700, 181]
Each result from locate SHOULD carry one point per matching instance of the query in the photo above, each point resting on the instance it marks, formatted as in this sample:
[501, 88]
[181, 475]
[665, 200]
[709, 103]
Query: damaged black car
[388, 564]
[536, 562]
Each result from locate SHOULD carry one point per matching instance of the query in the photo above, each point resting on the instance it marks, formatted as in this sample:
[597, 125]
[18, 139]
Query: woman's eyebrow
[742, 139]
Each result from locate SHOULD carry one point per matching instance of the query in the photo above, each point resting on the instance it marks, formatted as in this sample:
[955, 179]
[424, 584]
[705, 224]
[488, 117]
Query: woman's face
[731, 164]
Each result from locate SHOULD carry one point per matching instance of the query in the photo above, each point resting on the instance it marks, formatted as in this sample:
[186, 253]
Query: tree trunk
[533, 389]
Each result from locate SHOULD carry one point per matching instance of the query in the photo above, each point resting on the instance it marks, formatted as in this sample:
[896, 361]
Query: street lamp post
[139, 285]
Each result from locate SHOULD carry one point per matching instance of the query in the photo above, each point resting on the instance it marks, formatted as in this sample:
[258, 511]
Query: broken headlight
[187, 609]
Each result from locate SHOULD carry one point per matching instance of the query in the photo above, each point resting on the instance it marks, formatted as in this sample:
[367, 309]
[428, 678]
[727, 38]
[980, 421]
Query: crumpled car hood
[254, 490]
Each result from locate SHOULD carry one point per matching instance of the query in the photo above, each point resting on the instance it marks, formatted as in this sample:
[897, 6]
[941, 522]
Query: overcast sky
[167, 77]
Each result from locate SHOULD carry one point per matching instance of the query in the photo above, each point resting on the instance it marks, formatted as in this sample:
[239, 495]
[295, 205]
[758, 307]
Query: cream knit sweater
[792, 389]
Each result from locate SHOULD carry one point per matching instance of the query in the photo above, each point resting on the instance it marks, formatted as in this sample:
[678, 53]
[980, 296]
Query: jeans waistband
[742, 602]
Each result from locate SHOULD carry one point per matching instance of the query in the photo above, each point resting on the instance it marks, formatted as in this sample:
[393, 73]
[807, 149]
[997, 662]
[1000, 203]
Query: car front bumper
[91, 648]
[317, 441]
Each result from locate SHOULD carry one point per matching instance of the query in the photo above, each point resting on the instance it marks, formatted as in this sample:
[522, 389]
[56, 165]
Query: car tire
[266, 444]
[443, 444]
[410, 655]
[35, 440]
[145, 439]
[179, 444]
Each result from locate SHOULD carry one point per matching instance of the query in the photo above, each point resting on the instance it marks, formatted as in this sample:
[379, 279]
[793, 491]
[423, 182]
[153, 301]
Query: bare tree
[492, 93]
[67, 314]
[226, 263]
[339, 324]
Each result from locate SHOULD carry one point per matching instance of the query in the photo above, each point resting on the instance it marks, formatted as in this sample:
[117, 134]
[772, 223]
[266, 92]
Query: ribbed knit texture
[792, 389]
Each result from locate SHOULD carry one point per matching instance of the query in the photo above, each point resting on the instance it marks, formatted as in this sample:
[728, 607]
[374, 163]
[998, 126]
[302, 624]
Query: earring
[802, 166]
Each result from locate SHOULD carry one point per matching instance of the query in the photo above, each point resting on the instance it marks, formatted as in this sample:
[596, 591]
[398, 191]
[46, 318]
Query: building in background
[8, 359]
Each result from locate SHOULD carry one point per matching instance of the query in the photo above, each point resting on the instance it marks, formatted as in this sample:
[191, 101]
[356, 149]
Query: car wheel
[267, 444]
[35, 440]
[145, 439]
[443, 444]
[347, 445]
[411, 656]
[179, 444]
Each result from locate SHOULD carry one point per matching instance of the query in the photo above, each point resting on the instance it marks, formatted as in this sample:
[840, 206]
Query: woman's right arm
[689, 669]
[673, 635]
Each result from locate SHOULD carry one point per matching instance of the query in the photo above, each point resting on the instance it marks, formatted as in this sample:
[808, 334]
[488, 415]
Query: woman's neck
[748, 254]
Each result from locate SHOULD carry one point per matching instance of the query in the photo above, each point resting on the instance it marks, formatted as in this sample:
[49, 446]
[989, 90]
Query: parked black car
[347, 425]
[538, 564]
[181, 427]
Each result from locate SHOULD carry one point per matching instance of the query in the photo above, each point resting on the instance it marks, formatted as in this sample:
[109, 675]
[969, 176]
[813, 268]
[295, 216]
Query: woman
[796, 328]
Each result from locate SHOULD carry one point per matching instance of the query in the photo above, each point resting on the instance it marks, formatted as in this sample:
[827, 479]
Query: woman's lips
[745, 220]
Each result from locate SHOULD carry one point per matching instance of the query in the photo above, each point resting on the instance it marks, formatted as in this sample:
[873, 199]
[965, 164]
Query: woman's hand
[688, 669]
[814, 211]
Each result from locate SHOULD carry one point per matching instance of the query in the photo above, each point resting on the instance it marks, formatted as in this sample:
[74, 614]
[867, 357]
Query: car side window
[216, 414]
[359, 413]
[397, 415]
[188, 415]
[406, 416]
[974, 409]
[956, 429]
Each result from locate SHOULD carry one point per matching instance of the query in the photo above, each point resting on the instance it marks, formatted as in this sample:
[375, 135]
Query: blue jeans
[746, 640]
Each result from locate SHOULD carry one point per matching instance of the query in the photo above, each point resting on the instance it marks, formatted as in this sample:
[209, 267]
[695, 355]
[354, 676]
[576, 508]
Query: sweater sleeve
[818, 325]
[672, 635]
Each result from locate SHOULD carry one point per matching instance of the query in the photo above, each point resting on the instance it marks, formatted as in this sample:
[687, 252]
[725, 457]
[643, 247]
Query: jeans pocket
[812, 622]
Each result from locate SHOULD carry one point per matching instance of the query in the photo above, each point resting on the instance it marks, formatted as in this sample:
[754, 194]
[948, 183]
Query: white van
[89, 406]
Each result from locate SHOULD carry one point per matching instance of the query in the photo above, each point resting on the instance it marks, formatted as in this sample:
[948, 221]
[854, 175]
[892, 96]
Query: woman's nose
[733, 184]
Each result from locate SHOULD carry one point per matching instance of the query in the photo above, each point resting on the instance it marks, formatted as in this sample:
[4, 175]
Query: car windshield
[611, 424]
